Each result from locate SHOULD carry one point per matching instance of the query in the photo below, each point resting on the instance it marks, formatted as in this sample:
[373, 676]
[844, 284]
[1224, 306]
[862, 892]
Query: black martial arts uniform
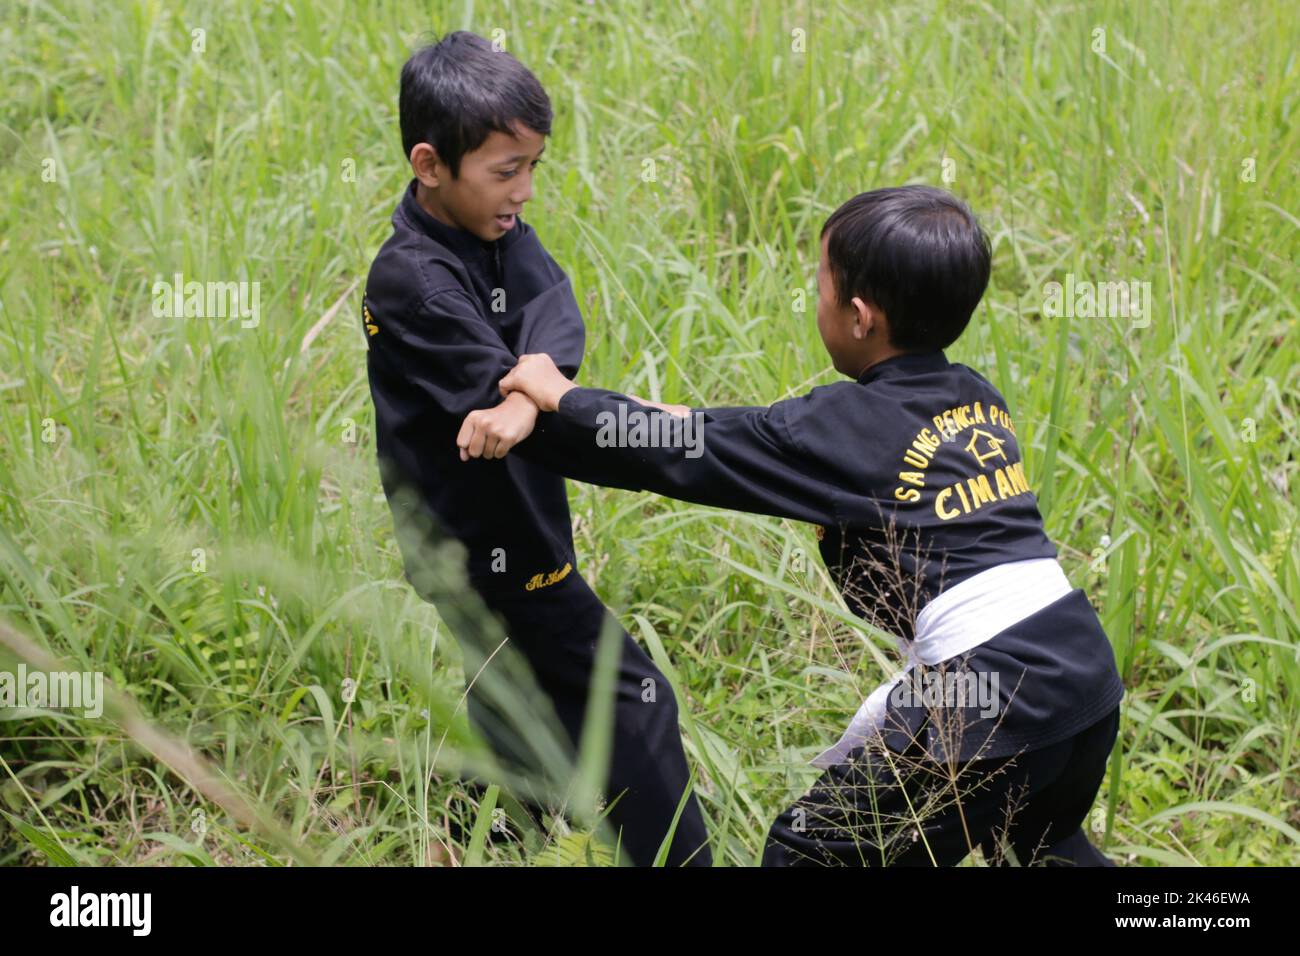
[445, 314]
[914, 477]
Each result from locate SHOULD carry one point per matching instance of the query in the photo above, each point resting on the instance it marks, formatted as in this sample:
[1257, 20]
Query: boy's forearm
[665, 469]
[517, 399]
[716, 412]
[741, 461]
[566, 449]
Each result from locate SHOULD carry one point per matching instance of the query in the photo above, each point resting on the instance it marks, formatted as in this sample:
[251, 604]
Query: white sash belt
[961, 618]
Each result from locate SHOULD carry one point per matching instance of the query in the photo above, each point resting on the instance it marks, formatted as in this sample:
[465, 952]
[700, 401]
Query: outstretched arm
[743, 459]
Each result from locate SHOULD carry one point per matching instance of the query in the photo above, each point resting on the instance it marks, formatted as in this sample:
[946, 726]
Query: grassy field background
[192, 507]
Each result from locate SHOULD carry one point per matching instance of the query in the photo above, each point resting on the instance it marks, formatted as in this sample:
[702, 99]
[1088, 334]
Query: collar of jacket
[463, 243]
[909, 363]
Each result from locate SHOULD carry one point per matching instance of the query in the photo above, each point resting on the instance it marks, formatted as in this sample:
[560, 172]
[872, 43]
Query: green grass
[175, 435]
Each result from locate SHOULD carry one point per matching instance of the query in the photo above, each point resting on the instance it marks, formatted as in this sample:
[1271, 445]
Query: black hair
[458, 90]
[917, 253]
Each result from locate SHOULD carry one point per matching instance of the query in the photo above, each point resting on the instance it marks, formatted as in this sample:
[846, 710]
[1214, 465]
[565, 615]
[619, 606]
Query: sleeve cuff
[565, 404]
[575, 400]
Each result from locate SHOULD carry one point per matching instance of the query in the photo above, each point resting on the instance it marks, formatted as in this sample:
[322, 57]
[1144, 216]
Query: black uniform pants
[556, 629]
[883, 808]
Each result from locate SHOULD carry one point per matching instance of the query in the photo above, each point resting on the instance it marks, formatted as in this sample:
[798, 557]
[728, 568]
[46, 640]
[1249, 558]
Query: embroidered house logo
[207, 300]
[984, 445]
[546, 580]
[103, 909]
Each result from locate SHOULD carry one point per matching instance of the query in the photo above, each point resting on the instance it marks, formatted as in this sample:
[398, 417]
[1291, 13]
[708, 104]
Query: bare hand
[538, 378]
[492, 432]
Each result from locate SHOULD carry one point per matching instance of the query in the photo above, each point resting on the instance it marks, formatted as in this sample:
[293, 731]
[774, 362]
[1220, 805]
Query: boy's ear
[866, 318]
[426, 165]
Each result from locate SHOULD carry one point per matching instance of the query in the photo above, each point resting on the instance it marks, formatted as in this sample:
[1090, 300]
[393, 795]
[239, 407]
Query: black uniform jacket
[913, 475]
[445, 315]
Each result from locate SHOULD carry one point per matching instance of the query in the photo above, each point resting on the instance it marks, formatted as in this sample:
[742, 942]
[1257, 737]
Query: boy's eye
[508, 173]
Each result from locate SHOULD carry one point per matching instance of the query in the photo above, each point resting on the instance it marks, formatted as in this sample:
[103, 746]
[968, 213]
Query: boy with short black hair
[460, 289]
[913, 473]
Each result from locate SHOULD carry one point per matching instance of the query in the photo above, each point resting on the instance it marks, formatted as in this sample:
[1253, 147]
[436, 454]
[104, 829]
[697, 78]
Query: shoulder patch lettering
[372, 327]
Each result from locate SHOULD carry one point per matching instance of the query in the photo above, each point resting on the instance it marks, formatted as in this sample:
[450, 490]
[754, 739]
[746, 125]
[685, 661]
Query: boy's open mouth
[506, 222]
